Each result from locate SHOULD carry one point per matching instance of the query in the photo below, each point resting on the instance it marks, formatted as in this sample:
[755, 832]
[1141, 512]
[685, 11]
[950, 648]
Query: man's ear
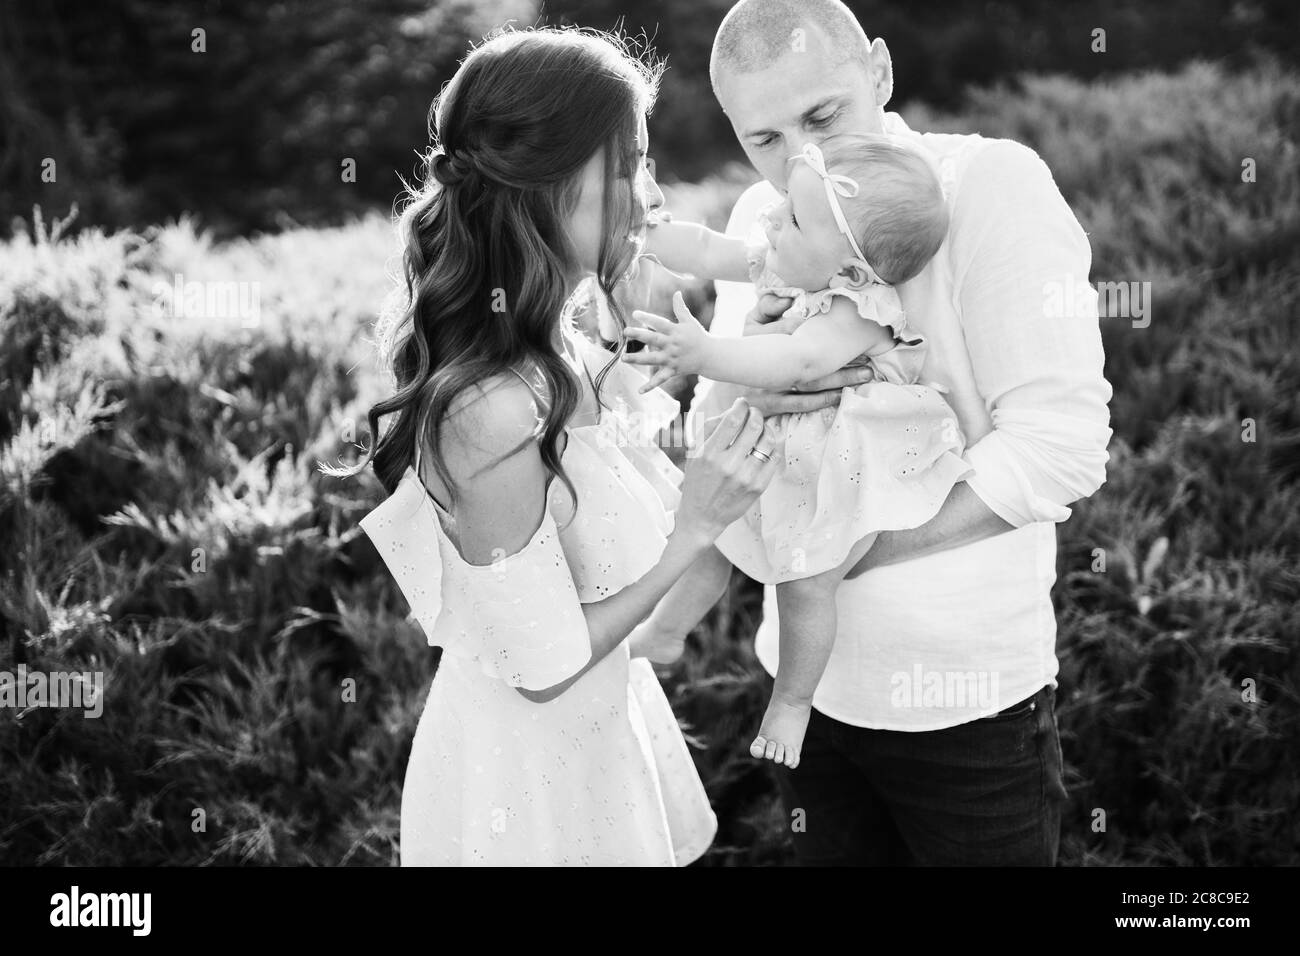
[881, 72]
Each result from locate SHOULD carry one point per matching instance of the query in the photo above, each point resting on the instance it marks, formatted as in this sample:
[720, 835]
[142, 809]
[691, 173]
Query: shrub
[166, 523]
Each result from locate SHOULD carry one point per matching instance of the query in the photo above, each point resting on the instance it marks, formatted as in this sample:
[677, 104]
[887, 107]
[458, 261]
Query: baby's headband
[844, 186]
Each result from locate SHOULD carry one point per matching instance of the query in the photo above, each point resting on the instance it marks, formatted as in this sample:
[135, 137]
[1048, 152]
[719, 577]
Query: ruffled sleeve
[875, 303]
[901, 364]
[629, 490]
[518, 618]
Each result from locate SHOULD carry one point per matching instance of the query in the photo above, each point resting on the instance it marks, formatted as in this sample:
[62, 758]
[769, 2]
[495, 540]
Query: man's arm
[963, 519]
[1041, 372]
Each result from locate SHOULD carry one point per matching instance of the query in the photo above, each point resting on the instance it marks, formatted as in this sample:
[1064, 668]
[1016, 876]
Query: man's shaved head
[756, 33]
[791, 72]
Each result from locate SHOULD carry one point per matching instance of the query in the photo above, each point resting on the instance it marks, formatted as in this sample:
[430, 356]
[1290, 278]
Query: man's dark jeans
[988, 792]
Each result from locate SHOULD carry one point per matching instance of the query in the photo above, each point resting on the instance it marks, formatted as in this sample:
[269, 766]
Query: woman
[546, 738]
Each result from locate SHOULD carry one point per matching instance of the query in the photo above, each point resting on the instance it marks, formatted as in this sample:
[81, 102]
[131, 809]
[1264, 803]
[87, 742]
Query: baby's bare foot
[780, 736]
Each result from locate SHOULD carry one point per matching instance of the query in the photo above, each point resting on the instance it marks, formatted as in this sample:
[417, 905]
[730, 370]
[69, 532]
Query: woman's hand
[675, 348]
[722, 478]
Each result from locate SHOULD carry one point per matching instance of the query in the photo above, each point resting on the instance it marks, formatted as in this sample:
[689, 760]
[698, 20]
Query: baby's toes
[791, 757]
[757, 747]
[771, 749]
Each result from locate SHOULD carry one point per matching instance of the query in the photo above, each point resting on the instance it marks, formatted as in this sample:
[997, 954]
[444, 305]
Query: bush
[250, 132]
[167, 524]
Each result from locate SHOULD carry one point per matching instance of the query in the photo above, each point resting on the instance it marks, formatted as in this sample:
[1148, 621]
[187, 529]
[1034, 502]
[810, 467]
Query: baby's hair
[899, 215]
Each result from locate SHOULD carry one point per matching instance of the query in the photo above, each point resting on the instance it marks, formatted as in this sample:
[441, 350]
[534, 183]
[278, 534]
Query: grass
[165, 522]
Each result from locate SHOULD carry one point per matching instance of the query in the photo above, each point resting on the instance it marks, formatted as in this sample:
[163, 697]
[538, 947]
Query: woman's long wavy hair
[510, 136]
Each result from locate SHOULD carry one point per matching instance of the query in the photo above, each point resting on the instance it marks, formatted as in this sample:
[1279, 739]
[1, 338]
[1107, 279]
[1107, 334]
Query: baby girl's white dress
[884, 459]
[601, 774]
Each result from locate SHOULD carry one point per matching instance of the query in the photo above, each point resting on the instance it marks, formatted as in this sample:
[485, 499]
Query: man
[933, 738]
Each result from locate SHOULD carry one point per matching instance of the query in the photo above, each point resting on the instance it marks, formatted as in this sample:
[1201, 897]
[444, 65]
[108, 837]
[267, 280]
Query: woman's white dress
[600, 775]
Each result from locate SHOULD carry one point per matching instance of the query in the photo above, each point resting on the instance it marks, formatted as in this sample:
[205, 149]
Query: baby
[889, 454]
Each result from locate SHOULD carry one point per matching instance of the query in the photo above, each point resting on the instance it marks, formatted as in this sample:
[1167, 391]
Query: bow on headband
[844, 186]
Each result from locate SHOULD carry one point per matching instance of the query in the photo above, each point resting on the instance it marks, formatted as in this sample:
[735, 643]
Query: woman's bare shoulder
[488, 422]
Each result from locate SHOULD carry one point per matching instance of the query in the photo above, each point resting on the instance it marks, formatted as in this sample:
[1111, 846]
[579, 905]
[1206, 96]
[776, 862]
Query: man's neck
[894, 124]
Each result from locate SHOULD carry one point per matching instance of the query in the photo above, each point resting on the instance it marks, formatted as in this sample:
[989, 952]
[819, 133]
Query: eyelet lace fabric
[885, 458]
[601, 774]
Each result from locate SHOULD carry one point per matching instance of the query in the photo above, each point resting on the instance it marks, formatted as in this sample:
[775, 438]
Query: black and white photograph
[651, 433]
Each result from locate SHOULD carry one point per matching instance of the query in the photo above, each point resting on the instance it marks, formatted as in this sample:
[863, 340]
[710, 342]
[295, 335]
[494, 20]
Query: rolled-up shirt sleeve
[1020, 275]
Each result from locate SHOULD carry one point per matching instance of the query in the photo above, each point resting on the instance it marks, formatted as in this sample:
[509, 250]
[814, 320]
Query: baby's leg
[806, 610]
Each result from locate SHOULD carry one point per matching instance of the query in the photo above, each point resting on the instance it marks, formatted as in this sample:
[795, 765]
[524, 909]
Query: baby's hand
[773, 314]
[675, 348]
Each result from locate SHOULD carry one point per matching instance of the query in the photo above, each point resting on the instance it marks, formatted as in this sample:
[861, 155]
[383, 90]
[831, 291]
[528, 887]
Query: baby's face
[808, 249]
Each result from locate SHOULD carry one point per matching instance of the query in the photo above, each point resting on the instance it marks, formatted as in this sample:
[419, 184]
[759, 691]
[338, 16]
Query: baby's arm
[818, 347]
[695, 249]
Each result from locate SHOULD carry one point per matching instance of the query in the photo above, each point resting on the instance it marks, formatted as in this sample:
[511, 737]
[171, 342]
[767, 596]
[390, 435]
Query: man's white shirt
[1013, 333]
